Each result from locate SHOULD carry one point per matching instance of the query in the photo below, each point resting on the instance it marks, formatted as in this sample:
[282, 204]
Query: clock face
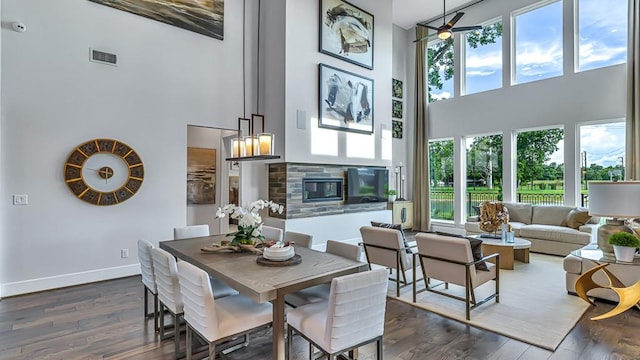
[104, 172]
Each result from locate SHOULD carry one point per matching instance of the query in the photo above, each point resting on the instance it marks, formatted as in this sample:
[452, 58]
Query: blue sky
[601, 41]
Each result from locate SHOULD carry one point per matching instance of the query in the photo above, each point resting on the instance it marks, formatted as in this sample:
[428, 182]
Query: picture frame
[396, 109]
[188, 15]
[346, 32]
[201, 175]
[345, 100]
[396, 129]
[396, 86]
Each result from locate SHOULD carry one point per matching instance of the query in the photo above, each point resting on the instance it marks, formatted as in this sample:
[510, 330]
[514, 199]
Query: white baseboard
[54, 282]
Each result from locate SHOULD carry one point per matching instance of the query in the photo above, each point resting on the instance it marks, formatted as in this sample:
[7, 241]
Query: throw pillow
[396, 227]
[577, 217]
[476, 250]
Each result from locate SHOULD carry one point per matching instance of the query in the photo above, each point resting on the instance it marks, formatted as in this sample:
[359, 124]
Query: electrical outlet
[124, 253]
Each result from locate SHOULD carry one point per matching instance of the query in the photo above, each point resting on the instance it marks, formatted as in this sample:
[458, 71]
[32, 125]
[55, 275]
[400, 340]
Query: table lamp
[617, 200]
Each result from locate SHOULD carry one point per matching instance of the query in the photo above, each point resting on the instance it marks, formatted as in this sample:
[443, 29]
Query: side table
[629, 296]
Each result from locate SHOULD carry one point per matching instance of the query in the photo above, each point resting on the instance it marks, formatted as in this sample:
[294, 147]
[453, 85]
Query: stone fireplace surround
[285, 188]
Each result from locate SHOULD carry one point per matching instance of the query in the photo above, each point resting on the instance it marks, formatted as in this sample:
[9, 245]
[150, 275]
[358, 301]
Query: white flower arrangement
[249, 220]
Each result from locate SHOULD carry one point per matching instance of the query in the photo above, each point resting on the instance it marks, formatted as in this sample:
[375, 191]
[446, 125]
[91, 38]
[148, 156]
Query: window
[540, 166]
[441, 189]
[602, 33]
[440, 69]
[483, 59]
[601, 154]
[484, 170]
[538, 43]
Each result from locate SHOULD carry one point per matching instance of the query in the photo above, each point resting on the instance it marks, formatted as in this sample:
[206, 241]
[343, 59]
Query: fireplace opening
[323, 189]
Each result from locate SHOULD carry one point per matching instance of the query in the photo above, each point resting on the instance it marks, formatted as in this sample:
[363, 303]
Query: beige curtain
[633, 95]
[421, 206]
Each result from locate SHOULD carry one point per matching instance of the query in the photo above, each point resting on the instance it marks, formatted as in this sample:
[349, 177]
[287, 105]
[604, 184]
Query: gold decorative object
[492, 216]
[628, 296]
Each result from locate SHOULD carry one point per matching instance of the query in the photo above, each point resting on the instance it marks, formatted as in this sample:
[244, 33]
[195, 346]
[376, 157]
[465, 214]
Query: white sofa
[545, 226]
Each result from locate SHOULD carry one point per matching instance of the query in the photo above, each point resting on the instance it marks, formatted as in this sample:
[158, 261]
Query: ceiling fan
[447, 29]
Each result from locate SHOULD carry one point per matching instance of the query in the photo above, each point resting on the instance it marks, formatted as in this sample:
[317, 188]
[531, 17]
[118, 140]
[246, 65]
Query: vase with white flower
[249, 220]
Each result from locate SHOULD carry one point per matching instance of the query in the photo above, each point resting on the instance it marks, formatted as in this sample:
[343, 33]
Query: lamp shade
[620, 199]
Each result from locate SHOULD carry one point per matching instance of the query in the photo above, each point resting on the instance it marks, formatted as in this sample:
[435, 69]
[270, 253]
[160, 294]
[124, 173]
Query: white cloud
[491, 61]
[604, 143]
[598, 52]
[441, 96]
[532, 59]
[481, 73]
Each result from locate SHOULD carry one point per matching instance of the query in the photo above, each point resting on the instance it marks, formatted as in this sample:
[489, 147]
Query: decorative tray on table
[279, 254]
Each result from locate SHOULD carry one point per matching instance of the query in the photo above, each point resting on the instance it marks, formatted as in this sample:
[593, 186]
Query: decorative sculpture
[492, 216]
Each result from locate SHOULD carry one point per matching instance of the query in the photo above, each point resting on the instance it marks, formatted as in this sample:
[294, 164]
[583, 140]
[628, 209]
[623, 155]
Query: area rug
[534, 305]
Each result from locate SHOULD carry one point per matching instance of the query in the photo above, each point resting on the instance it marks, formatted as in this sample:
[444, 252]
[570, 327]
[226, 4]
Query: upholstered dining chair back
[192, 231]
[343, 249]
[299, 239]
[382, 245]
[272, 233]
[199, 304]
[450, 248]
[356, 309]
[166, 272]
[146, 265]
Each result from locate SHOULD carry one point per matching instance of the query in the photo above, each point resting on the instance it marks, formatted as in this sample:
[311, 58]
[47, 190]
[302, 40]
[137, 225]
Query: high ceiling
[406, 13]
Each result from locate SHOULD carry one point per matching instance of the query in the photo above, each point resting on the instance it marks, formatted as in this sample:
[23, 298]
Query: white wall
[54, 99]
[302, 59]
[565, 101]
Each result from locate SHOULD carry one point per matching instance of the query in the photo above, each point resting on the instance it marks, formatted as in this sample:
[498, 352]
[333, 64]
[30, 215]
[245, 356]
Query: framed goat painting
[346, 100]
[346, 32]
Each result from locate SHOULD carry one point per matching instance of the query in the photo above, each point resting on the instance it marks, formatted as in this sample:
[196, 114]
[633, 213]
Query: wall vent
[103, 57]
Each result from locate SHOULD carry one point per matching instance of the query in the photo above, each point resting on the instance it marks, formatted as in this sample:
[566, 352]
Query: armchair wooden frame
[470, 296]
[399, 265]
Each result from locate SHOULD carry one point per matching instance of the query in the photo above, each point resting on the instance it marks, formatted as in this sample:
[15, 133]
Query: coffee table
[517, 250]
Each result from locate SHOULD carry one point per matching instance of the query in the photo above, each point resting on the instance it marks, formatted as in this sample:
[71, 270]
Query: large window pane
[440, 73]
[538, 43]
[484, 171]
[483, 59]
[602, 154]
[441, 189]
[602, 33]
[540, 169]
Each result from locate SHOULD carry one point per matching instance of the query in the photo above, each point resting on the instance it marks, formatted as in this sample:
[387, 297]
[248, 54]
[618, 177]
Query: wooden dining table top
[259, 282]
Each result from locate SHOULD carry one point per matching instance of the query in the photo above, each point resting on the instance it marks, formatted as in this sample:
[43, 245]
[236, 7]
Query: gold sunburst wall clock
[103, 172]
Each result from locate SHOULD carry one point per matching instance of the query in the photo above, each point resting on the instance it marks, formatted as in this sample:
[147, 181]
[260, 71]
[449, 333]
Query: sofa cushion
[519, 212]
[550, 215]
[473, 227]
[555, 233]
[572, 264]
[577, 217]
[515, 227]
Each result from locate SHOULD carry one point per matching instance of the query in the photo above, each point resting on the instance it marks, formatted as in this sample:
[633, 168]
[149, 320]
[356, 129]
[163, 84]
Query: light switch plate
[301, 119]
[21, 199]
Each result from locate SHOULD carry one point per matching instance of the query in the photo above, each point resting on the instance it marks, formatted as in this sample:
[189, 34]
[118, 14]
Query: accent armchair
[450, 260]
[385, 247]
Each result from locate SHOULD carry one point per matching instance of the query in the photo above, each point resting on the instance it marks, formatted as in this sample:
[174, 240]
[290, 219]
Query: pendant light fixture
[251, 144]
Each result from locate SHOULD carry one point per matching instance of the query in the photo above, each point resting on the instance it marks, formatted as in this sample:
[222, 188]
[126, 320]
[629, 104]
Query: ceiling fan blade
[454, 20]
[466, 28]
[428, 37]
[429, 26]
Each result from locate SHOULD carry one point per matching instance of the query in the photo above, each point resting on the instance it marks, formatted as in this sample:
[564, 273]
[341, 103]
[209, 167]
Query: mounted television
[367, 185]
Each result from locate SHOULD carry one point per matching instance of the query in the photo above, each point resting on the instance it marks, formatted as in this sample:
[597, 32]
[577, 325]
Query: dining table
[241, 271]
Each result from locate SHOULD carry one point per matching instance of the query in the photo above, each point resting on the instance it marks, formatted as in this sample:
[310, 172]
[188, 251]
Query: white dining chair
[217, 320]
[321, 292]
[272, 233]
[353, 315]
[191, 231]
[148, 280]
[169, 297]
[299, 239]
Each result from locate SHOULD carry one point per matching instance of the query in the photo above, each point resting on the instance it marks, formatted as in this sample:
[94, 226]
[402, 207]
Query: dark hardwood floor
[104, 321]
